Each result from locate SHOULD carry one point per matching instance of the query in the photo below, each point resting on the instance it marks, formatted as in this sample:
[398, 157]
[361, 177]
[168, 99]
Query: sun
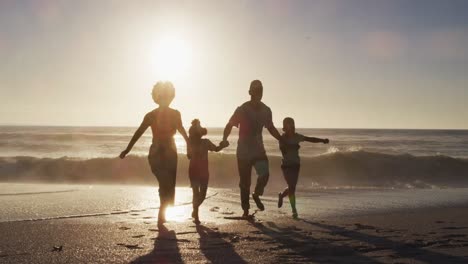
[172, 58]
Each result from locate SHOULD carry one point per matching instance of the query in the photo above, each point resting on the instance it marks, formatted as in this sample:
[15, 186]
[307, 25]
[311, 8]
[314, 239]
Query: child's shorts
[291, 174]
[197, 181]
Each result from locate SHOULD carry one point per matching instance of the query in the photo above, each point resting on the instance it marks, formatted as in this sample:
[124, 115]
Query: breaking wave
[356, 168]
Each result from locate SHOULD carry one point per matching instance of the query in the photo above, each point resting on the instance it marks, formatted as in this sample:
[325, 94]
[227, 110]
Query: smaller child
[291, 163]
[198, 168]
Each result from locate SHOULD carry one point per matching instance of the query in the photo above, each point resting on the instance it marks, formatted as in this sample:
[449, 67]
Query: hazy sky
[348, 63]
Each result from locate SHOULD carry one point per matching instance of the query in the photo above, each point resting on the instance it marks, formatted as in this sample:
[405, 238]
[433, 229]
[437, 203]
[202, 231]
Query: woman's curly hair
[163, 93]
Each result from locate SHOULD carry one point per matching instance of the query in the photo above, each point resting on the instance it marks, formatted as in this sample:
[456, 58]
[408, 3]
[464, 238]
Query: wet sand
[412, 235]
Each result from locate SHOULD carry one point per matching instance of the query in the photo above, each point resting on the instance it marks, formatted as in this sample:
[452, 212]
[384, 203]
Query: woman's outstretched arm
[144, 125]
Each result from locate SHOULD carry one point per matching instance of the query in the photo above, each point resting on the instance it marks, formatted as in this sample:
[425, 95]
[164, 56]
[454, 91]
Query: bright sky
[327, 63]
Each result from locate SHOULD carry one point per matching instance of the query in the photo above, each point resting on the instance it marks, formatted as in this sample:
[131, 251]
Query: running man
[251, 117]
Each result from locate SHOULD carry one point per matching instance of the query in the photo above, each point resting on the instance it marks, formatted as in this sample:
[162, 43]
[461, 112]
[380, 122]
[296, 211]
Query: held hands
[189, 152]
[124, 153]
[326, 141]
[224, 144]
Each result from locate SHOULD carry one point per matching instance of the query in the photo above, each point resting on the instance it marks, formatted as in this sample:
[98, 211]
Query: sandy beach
[406, 233]
[342, 122]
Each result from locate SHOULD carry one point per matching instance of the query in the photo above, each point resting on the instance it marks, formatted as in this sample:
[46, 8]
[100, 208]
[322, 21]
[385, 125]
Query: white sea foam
[355, 157]
[339, 169]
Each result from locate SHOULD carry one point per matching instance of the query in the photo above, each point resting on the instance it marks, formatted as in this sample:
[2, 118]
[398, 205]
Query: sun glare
[172, 58]
[177, 213]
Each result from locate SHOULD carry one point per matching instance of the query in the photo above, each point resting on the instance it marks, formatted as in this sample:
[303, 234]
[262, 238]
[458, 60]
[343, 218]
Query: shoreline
[423, 236]
[329, 229]
[25, 201]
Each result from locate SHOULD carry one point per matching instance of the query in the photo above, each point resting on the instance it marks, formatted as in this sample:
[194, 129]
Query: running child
[291, 163]
[198, 167]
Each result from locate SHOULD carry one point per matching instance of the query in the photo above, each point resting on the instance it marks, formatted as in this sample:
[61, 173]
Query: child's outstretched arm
[316, 140]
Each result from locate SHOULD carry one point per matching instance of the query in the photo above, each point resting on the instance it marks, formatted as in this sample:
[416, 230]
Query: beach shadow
[165, 249]
[304, 248]
[412, 250]
[215, 248]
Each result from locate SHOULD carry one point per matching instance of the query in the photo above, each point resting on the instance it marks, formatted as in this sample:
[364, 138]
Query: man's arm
[233, 121]
[227, 132]
[143, 126]
[271, 127]
[316, 140]
[274, 132]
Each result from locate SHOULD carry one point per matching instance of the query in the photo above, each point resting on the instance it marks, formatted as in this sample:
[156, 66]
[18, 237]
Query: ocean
[354, 157]
[96, 142]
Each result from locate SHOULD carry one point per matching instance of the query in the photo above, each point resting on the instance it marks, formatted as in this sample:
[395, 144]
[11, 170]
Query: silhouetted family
[251, 117]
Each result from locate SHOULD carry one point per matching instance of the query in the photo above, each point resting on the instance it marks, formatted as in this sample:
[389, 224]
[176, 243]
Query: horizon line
[221, 127]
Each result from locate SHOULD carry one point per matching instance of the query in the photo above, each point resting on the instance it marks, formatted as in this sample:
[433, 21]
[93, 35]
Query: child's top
[199, 159]
[289, 147]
